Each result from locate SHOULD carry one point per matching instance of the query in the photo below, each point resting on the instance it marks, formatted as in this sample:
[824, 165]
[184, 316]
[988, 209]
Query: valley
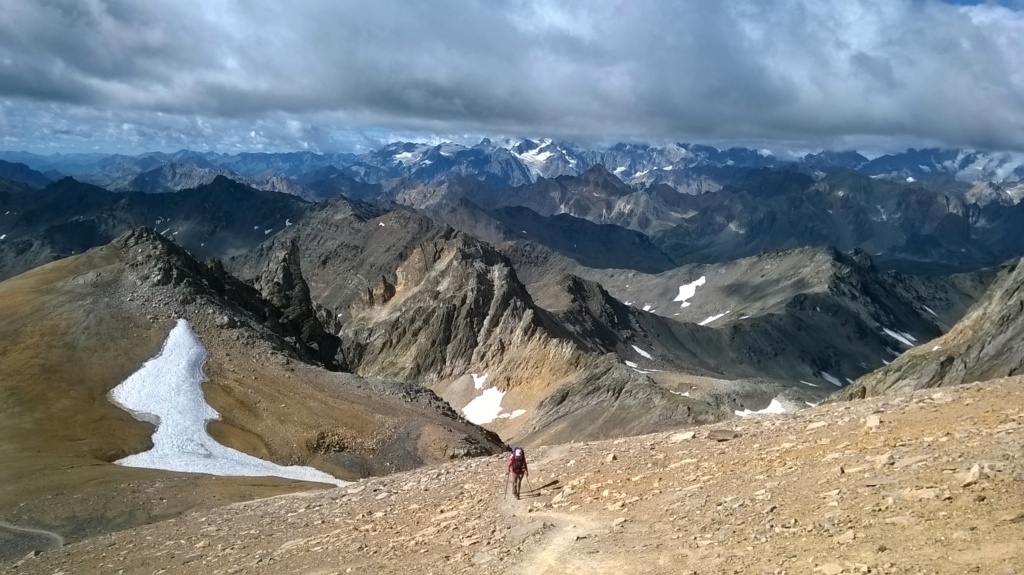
[284, 284]
[401, 323]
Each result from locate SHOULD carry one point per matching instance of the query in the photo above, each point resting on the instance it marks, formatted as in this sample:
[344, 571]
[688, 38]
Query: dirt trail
[921, 483]
[555, 553]
[58, 540]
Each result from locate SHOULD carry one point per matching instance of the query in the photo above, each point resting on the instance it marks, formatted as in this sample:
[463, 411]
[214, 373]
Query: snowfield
[166, 392]
[687, 291]
[774, 408]
[486, 407]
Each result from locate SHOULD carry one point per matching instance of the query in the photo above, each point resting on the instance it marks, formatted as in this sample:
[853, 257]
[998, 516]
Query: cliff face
[281, 283]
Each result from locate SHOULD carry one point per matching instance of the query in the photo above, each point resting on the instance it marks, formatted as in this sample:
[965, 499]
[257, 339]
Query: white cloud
[325, 76]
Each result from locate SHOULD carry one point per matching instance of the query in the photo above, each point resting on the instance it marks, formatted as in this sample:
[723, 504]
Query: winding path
[56, 538]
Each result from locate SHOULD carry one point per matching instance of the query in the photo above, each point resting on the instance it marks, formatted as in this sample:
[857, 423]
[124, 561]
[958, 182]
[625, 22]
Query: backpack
[518, 460]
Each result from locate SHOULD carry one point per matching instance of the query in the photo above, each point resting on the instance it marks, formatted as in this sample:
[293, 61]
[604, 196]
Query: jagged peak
[281, 281]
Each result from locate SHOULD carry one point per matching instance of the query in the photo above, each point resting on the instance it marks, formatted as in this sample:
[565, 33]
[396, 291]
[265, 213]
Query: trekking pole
[505, 496]
[528, 484]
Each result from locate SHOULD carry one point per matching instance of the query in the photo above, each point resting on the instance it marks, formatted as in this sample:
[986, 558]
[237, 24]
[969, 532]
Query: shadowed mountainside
[68, 217]
[984, 345]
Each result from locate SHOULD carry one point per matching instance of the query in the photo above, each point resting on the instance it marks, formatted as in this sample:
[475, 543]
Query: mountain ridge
[518, 162]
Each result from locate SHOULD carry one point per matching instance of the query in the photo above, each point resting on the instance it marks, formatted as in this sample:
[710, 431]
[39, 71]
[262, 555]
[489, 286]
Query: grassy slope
[64, 347]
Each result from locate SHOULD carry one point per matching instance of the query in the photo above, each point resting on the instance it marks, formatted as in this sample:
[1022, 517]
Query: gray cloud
[263, 74]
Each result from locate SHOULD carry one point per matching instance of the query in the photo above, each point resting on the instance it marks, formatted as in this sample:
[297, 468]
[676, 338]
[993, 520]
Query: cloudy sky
[235, 75]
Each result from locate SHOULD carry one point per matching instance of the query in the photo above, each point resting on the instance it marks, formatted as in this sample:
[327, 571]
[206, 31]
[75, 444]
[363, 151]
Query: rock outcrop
[158, 262]
[282, 284]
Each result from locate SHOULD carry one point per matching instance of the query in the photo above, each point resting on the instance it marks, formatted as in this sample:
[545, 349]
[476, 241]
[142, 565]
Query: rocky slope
[907, 225]
[595, 195]
[985, 344]
[418, 301]
[584, 350]
[174, 177]
[75, 328]
[916, 483]
[808, 318]
[938, 226]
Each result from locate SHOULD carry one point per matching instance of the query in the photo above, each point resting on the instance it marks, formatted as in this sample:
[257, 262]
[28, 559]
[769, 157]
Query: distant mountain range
[594, 218]
[691, 168]
[219, 219]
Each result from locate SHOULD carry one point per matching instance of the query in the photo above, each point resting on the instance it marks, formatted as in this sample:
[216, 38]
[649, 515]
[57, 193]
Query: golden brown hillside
[915, 483]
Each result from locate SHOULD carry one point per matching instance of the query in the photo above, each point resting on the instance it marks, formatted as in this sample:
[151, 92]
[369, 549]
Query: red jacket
[517, 465]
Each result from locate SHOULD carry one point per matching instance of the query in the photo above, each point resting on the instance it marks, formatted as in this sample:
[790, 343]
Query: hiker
[517, 467]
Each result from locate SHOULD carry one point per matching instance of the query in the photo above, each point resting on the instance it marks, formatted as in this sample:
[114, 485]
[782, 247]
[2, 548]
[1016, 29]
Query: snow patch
[642, 352]
[167, 392]
[687, 291]
[809, 383]
[647, 307]
[929, 310]
[900, 336]
[3, 236]
[381, 224]
[478, 380]
[831, 379]
[287, 223]
[404, 157]
[774, 408]
[713, 318]
[485, 407]
[936, 348]
[535, 158]
[267, 232]
[630, 364]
